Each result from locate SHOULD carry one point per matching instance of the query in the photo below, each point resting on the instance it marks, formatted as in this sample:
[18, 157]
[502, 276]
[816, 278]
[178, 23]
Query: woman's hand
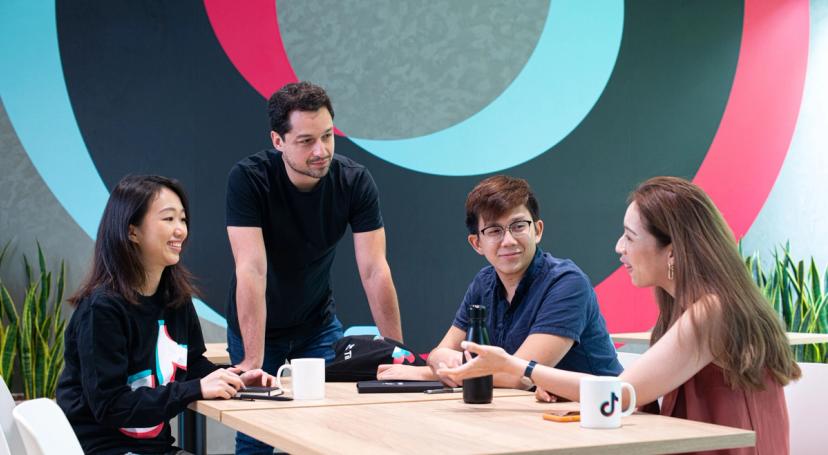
[220, 384]
[257, 377]
[489, 360]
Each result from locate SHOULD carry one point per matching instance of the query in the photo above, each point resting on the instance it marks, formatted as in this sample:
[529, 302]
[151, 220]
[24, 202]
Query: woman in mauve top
[719, 353]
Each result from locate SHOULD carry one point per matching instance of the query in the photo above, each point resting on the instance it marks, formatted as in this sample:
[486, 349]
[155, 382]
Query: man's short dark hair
[296, 96]
[497, 195]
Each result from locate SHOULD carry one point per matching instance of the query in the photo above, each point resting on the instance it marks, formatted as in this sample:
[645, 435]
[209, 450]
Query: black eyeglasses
[496, 232]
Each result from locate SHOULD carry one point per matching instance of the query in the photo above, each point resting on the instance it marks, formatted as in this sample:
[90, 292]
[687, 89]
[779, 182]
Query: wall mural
[583, 100]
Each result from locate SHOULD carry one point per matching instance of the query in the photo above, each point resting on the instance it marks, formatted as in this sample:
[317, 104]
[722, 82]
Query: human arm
[117, 394]
[558, 318]
[220, 383]
[257, 377]
[545, 349]
[674, 359]
[392, 371]
[566, 310]
[216, 382]
[447, 354]
[375, 274]
[250, 258]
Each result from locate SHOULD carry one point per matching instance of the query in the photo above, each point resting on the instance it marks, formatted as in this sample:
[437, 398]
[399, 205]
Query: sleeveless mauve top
[706, 397]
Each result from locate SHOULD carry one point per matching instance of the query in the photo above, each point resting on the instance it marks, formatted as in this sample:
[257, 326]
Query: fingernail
[463, 344]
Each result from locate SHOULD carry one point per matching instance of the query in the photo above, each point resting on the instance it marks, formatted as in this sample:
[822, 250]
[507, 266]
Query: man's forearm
[382, 298]
[252, 314]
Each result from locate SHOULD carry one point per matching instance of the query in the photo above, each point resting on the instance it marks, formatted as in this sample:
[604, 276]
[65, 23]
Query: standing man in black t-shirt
[286, 211]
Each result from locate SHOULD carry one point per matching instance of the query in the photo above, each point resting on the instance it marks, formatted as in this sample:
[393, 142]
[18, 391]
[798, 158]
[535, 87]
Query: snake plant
[38, 330]
[8, 328]
[799, 296]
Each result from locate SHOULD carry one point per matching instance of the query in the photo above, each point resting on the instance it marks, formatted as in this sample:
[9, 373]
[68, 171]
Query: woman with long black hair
[134, 348]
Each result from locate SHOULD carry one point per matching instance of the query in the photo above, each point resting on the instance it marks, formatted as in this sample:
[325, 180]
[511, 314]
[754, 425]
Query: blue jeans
[318, 344]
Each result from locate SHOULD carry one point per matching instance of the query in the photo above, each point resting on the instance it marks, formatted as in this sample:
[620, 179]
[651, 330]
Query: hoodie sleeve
[103, 351]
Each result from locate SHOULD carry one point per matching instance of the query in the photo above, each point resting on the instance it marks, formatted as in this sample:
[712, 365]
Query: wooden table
[795, 338]
[336, 394]
[347, 422]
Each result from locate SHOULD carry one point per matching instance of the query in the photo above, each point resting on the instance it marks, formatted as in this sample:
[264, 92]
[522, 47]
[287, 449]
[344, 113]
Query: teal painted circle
[31, 82]
[564, 77]
[31, 76]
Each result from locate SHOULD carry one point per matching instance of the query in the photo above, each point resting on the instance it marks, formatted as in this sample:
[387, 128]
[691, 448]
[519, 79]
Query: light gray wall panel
[427, 65]
[29, 212]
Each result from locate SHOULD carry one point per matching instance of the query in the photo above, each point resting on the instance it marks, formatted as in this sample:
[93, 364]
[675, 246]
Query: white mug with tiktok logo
[601, 401]
[307, 378]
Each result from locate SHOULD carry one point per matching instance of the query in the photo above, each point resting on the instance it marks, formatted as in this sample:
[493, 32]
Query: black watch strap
[527, 373]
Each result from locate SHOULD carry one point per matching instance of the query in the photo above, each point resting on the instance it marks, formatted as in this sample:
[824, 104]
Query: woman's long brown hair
[746, 337]
[116, 264]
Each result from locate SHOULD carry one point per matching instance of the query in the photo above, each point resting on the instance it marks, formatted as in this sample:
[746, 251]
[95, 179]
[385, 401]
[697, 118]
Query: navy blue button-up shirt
[553, 297]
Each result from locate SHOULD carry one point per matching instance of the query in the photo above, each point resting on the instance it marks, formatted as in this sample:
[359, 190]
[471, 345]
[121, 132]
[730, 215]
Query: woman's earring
[670, 271]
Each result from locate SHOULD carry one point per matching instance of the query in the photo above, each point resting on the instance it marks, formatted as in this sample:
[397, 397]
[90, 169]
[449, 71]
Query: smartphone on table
[562, 416]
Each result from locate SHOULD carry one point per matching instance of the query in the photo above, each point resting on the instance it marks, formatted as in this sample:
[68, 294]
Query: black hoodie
[128, 370]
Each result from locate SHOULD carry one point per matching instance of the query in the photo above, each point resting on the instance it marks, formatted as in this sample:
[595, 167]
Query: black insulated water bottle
[477, 390]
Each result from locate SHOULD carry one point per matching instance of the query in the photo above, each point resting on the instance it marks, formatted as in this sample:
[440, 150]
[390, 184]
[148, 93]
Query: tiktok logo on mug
[599, 412]
[609, 404]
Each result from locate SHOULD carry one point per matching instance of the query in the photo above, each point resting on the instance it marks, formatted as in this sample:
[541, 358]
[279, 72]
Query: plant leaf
[8, 352]
[3, 252]
[28, 269]
[26, 342]
[8, 306]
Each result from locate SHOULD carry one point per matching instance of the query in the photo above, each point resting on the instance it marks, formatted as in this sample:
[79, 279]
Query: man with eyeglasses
[540, 308]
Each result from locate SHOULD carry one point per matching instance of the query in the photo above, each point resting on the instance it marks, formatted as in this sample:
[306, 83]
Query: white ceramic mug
[601, 401]
[307, 378]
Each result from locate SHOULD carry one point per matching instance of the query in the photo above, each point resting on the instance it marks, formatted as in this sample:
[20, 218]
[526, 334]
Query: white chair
[45, 429]
[10, 442]
[807, 401]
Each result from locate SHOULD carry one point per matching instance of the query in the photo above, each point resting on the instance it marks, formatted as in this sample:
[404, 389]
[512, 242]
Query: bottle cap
[477, 312]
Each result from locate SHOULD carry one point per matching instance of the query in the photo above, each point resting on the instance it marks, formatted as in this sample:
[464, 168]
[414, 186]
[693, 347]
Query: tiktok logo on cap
[609, 404]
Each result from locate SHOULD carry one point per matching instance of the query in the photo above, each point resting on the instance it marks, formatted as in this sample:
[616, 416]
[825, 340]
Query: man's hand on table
[445, 358]
[405, 372]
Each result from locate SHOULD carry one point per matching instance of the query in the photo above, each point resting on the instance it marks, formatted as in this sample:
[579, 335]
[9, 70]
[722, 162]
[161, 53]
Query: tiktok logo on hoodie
[402, 356]
[169, 356]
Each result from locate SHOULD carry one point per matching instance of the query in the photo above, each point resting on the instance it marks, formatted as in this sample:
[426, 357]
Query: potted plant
[37, 329]
[798, 295]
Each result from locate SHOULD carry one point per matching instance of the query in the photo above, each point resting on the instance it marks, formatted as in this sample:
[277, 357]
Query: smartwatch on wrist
[527, 374]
